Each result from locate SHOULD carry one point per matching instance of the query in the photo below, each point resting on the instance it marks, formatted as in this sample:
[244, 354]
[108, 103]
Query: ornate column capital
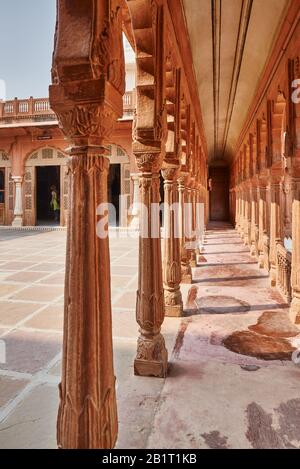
[17, 179]
[170, 174]
[88, 74]
[149, 161]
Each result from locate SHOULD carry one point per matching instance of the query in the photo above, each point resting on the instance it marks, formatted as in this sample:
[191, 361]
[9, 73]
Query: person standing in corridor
[55, 203]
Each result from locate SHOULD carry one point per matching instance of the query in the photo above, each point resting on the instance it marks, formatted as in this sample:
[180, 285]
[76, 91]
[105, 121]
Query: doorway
[114, 191]
[2, 196]
[219, 193]
[46, 177]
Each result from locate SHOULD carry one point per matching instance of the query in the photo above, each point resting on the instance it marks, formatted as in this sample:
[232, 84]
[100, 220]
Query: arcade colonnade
[265, 173]
[86, 94]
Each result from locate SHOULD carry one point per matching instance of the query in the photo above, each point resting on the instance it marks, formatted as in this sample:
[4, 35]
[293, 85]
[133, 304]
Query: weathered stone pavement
[212, 397]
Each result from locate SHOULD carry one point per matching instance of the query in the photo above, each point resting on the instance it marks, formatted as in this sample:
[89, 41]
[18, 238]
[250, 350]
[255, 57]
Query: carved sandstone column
[88, 84]
[18, 210]
[171, 258]
[149, 139]
[152, 355]
[186, 271]
[254, 220]
[247, 220]
[295, 305]
[237, 208]
[262, 229]
[275, 226]
[192, 223]
[135, 212]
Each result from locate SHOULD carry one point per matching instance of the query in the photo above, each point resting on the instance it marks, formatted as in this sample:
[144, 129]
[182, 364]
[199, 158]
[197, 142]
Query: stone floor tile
[127, 300]
[39, 293]
[47, 267]
[11, 312]
[55, 279]
[9, 389]
[33, 423]
[25, 277]
[49, 318]
[30, 351]
[6, 289]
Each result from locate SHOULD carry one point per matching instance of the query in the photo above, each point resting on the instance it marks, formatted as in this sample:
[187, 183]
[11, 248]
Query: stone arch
[44, 155]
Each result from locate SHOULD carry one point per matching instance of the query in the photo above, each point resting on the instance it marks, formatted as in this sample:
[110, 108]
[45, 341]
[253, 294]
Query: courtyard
[215, 396]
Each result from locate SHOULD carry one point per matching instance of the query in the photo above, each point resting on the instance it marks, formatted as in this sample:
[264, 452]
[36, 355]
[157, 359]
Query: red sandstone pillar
[295, 305]
[152, 355]
[275, 226]
[254, 219]
[186, 272]
[262, 228]
[86, 95]
[171, 258]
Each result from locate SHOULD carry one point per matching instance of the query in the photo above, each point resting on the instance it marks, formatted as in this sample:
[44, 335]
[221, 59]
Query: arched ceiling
[231, 41]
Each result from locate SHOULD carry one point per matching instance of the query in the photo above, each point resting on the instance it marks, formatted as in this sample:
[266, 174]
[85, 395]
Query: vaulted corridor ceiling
[230, 47]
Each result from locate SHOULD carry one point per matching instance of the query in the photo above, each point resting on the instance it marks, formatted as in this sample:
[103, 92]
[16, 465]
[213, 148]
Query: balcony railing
[284, 268]
[35, 110]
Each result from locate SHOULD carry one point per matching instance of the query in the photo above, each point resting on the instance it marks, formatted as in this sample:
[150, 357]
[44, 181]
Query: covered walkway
[213, 397]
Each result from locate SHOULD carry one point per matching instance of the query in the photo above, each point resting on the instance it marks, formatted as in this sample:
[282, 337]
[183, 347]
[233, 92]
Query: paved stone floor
[212, 398]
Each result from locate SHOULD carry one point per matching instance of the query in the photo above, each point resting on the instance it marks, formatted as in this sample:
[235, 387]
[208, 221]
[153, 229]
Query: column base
[186, 278]
[174, 311]
[17, 221]
[273, 276]
[294, 313]
[186, 273]
[261, 260]
[152, 357]
[253, 251]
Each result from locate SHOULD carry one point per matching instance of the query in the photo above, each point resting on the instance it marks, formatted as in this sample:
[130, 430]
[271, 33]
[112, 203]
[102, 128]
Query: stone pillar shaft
[186, 272]
[88, 84]
[254, 222]
[275, 229]
[135, 220]
[18, 210]
[152, 356]
[171, 258]
[295, 305]
[262, 208]
[87, 415]
[246, 223]
[192, 223]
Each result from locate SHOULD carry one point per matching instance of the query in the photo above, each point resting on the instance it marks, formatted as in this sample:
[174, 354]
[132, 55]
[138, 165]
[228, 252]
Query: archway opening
[114, 191]
[47, 177]
[219, 193]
